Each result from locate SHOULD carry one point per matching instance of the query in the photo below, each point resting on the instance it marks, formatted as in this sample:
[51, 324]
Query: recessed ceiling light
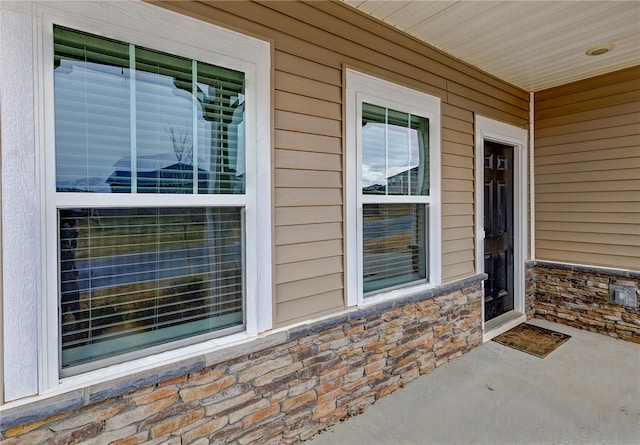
[599, 50]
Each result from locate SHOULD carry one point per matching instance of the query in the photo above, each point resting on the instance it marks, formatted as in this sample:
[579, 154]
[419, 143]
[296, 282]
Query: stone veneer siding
[306, 380]
[578, 296]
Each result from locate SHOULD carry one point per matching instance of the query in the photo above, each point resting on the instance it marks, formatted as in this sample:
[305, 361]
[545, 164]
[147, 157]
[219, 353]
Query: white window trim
[496, 131]
[156, 28]
[360, 88]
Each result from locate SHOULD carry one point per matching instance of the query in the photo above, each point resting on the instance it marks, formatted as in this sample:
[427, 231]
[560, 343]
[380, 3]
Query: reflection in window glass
[131, 120]
[120, 109]
[394, 152]
[394, 245]
[134, 278]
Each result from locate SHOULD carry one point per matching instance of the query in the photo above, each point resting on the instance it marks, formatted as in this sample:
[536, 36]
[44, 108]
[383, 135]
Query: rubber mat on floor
[532, 339]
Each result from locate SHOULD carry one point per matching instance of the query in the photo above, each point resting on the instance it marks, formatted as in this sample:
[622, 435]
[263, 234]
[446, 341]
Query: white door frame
[493, 130]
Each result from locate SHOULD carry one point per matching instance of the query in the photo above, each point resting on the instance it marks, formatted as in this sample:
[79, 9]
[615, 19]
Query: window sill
[400, 292]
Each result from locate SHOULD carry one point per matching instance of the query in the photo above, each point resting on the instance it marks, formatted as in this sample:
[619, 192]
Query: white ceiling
[532, 44]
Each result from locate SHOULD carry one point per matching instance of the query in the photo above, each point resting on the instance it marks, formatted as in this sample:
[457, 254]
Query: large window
[153, 198]
[130, 120]
[136, 175]
[393, 173]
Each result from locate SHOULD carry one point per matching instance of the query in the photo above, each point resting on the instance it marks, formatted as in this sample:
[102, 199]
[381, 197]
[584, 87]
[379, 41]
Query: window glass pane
[394, 245]
[164, 125]
[221, 127]
[92, 110]
[394, 152]
[135, 278]
[188, 120]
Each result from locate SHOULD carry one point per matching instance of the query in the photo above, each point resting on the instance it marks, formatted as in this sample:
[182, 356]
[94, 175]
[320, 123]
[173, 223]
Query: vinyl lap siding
[308, 188]
[587, 164]
[457, 193]
[313, 42]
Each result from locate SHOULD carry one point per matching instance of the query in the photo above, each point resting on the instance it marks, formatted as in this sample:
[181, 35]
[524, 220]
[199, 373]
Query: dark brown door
[498, 227]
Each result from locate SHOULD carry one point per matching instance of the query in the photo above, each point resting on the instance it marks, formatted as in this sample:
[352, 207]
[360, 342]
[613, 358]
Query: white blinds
[133, 278]
[394, 245]
[130, 119]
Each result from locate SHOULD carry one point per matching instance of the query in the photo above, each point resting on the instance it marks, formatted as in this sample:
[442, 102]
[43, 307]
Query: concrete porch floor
[587, 391]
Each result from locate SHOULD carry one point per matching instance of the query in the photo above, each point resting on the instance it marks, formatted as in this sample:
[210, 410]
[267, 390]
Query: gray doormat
[532, 339]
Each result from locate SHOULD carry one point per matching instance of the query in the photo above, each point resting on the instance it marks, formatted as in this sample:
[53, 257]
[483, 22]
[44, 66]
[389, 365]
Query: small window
[392, 163]
[150, 198]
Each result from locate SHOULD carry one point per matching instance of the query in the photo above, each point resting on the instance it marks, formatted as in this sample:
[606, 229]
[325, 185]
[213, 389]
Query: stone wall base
[578, 296]
[286, 393]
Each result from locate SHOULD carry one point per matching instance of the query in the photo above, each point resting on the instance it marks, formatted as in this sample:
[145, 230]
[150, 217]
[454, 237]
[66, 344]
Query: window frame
[363, 88]
[176, 34]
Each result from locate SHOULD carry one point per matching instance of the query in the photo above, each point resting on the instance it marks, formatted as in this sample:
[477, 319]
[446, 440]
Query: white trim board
[493, 130]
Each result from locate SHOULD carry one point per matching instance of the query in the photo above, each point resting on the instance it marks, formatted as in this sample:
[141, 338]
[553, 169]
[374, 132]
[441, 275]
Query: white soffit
[532, 44]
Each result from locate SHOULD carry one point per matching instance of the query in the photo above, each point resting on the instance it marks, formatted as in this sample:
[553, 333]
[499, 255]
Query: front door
[498, 227]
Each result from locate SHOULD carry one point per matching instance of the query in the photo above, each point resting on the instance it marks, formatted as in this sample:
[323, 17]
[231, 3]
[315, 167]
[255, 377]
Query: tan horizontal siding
[594, 259]
[286, 178]
[456, 209]
[300, 104]
[605, 175]
[307, 160]
[460, 257]
[304, 123]
[458, 185]
[585, 88]
[464, 162]
[307, 232]
[578, 197]
[457, 173]
[303, 67]
[290, 216]
[286, 273]
[588, 227]
[458, 270]
[307, 250]
[457, 233]
[591, 124]
[609, 88]
[307, 87]
[458, 188]
[307, 197]
[597, 207]
[302, 309]
[457, 221]
[587, 166]
[291, 140]
[592, 186]
[609, 218]
[457, 197]
[312, 44]
[593, 115]
[593, 155]
[593, 247]
[583, 147]
[583, 135]
[585, 236]
[310, 286]
[601, 102]
[459, 125]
